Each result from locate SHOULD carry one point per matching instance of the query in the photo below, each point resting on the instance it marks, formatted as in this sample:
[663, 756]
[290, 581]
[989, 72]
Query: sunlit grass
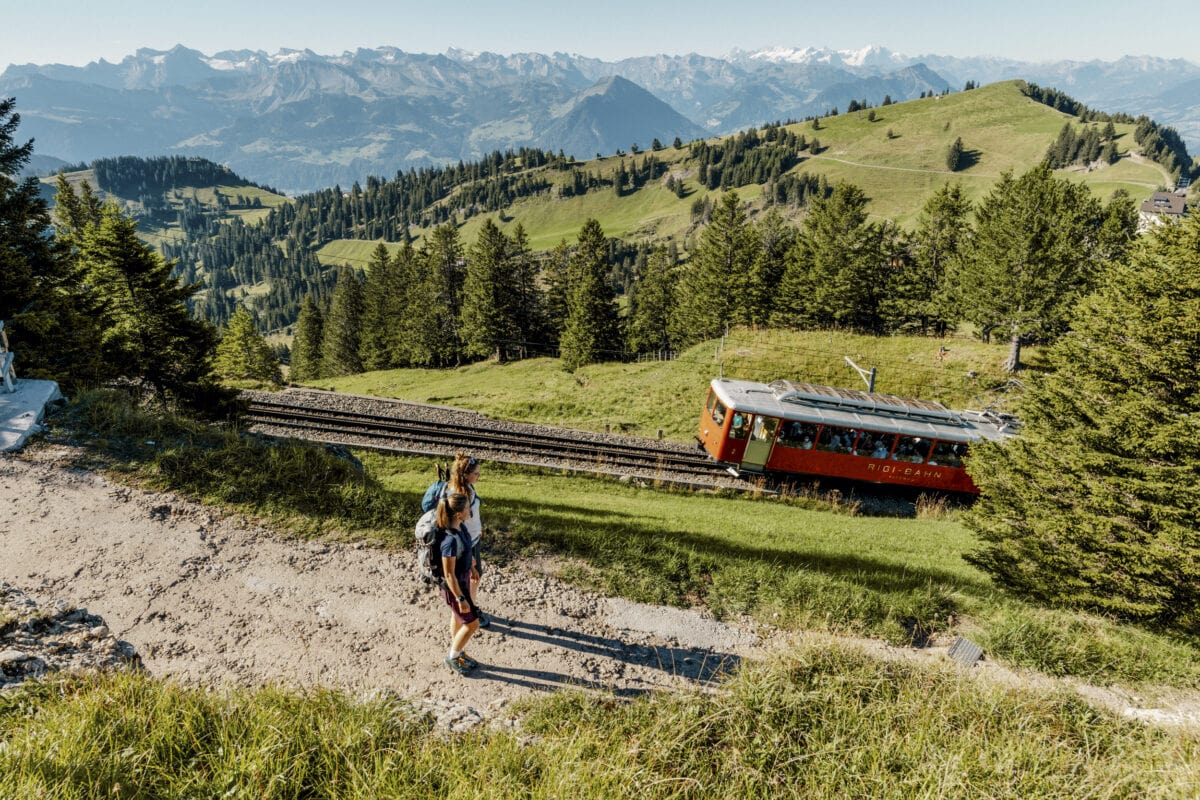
[815, 721]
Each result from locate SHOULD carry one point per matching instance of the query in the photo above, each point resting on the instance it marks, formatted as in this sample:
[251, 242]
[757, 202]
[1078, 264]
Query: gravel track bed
[406, 410]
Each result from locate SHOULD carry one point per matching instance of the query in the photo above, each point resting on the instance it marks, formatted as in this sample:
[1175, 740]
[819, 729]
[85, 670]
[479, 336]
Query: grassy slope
[1005, 130]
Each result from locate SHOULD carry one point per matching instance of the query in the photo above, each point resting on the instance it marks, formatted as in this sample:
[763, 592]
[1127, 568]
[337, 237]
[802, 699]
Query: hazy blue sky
[80, 31]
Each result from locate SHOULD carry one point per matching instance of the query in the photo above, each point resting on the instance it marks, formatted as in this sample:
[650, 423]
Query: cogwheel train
[801, 428]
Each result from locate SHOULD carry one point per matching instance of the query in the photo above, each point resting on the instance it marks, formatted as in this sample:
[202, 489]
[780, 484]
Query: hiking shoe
[458, 665]
[470, 662]
[484, 620]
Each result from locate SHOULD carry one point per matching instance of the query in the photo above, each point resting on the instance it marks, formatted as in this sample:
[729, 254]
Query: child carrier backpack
[429, 548]
[436, 489]
[439, 489]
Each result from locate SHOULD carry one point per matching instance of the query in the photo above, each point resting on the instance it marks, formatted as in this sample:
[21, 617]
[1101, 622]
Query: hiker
[457, 565]
[463, 474]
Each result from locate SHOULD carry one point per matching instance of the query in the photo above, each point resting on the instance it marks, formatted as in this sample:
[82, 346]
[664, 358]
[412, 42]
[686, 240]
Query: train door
[762, 439]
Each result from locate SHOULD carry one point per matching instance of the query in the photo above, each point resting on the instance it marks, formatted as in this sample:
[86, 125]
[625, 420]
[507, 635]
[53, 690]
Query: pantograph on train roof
[875, 402]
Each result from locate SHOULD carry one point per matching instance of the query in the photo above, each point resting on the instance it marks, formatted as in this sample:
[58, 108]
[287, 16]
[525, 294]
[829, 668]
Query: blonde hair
[463, 466]
[448, 506]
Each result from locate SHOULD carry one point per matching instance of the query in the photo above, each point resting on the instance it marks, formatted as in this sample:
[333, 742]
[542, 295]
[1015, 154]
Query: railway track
[440, 432]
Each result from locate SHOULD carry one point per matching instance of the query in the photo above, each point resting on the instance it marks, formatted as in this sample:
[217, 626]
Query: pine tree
[438, 305]
[1096, 503]
[487, 294]
[1031, 258]
[527, 305]
[306, 347]
[49, 312]
[343, 327]
[384, 296]
[558, 287]
[592, 331]
[715, 283]
[652, 302]
[836, 275]
[954, 156]
[1109, 154]
[775, 238]
[148, 333]
[942, 231]
[244, 355]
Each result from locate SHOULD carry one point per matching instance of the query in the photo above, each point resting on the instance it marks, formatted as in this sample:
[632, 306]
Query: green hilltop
[1001, 129]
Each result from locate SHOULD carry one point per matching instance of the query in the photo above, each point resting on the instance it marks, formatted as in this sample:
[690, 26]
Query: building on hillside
[1162, 207]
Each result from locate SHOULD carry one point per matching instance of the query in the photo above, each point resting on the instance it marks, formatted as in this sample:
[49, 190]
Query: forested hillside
[251, 248]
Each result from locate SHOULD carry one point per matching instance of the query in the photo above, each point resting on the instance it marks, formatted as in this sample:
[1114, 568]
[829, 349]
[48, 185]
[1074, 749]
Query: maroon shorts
[472, 612]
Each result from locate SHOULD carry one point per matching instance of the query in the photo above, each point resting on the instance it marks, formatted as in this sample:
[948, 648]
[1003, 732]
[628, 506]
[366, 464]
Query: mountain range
[300, 121]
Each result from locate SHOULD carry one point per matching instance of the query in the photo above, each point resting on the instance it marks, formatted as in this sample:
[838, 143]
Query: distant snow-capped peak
[869, 56]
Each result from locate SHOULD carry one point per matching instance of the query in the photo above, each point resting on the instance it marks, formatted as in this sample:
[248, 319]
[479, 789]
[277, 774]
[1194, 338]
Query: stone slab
[21, 411]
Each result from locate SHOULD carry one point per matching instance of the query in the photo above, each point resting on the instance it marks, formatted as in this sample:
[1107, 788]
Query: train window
[875, 445]
[740, 428]
[836, 440]
[764, 429]
[914, 449]
[948, 454]
[710, 402]
[798, 434]
[718, 413]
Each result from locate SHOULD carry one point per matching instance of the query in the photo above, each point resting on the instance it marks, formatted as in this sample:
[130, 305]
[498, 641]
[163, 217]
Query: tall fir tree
[528, 302]
[148, 333]
[715, 282]
[411, 338]
[306, 346]
[1033, 255]
[593, 329]
[438, 298]
[384, 300]
[244, 355]
[1096, 504]
[488, 292]
[836, 274]
[924, 289]
[51, 315]
[652, 302]
[775, 237]
[558, 288]
[343, 327]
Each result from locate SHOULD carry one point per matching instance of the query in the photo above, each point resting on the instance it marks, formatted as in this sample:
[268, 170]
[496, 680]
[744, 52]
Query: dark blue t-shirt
[456, 544]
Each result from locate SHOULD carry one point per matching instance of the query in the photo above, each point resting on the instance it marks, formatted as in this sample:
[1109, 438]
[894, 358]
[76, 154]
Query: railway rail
[403, 427]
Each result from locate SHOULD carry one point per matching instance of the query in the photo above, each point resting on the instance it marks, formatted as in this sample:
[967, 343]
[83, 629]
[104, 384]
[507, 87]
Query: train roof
[829, 405]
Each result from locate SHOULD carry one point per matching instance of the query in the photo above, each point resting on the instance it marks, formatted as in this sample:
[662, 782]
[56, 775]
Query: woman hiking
[464, 472]
[457, 566]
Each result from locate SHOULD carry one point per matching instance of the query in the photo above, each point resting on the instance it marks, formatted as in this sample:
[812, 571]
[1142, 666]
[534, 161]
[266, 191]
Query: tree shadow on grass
[551, 526]
[968, 159]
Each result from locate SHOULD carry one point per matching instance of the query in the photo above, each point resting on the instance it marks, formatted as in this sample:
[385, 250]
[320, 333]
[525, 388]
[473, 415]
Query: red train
[803, 428]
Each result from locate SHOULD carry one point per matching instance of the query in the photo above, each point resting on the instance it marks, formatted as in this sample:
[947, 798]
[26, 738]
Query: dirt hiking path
[212, 599]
